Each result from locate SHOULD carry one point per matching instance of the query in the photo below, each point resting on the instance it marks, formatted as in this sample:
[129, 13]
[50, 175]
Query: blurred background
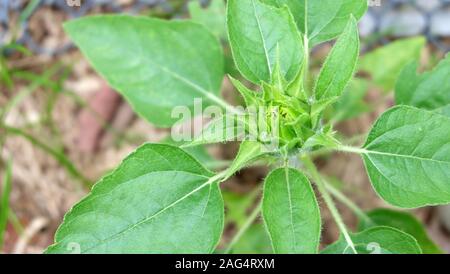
[62, 127]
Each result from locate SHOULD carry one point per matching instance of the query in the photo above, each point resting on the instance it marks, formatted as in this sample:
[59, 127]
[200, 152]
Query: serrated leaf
[290, 212]
[430, 90]
[407, 157]
[140, 58]
[212, 17]
[322, 20]
[403, 221]
[255, 32]
[340, 64]
[385, 64]
[130, 210]
[198, 152]
[377, 240]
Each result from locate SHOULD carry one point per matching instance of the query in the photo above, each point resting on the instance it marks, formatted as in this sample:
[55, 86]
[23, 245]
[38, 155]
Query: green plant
[162, 200]
[4, 201]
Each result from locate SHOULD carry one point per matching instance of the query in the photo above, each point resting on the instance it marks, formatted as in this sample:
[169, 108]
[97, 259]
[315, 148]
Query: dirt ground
[95, 129]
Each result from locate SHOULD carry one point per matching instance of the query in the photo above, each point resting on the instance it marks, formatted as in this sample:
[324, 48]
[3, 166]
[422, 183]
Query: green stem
[347, 202]
[217, 164]
[319, 152]
[251, 219]
[306, 67]
[351, 149]
[306, 51]
[328, 200]
[357, 139]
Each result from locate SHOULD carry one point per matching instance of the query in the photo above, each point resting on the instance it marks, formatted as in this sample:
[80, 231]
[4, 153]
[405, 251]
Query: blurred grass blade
[28, 11]
[60, 157]
[37, 82]
[4, 202]
[5, 75]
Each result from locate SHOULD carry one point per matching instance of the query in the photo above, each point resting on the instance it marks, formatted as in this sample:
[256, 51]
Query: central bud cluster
[286, 116]
[294, 124]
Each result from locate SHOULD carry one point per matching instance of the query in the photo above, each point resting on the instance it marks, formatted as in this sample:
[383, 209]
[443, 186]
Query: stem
[306, 50]
[347, 202]
[217, 164]
[357, 139]
[328, 200]
[352, 149]
[251, 219]
[319, 152]
[306, 66]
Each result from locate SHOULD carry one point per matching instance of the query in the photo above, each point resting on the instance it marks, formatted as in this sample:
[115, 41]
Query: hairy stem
[352, 149]
[357, 139]
[306, 67]
[328, 200]
[251, 219]
[347, 202]
[217, 164]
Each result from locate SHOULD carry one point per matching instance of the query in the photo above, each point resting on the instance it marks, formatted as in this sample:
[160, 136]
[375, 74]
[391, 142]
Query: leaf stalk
[309, 165]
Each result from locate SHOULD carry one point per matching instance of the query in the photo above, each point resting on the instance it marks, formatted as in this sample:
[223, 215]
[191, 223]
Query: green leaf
[140, 58]
[212, 17]
[340, 64]
[256, 33]
[430, 90]
[444, 110]
[385, 64]
[403, 221]
[407, 157]
[254, 241]
[377, 240]
[321, 139]
[222, 129]
[249, 152]
[322, 20]
[251, 98]
[319, 106]
[159, 200]
[290, 212]
[198, 152]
